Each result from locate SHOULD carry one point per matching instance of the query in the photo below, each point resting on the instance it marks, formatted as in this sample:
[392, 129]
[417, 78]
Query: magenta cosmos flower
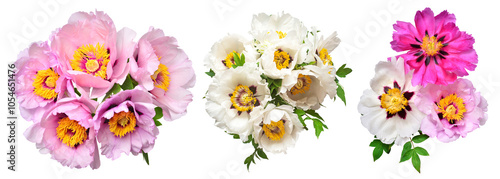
[165, 71]
[452, 110]
[125, 123]
[436, 49]
[39, 81]
[92, 53]
[67, 133]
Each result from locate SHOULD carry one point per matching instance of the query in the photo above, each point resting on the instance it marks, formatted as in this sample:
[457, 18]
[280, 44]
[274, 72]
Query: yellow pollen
[70, 132]
[243, 98]
[303, 84]
[452, 107]
[45, 83]
[430, 45]
[282, 59]
[325, 57]
[393, 101]
[281, 34]
[229, 61]
[160, 77]
[122, 123]
[274, 130]
[91, 59]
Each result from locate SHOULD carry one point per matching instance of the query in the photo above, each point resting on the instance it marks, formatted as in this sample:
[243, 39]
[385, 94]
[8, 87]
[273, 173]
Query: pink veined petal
[424, 21]
[404, 35]
[442, 19]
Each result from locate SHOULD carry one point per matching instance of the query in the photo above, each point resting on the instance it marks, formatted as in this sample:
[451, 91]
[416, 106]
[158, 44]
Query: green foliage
[380, 148]
[210, 73]
[238, 61]
[158, 115]
[129, 83]
[145, 157]
[257, 153]
[414, 153]
[318, 121]
[115, 89]
[343, 71]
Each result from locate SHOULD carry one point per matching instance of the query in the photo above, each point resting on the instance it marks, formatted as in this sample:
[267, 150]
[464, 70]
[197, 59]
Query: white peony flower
[221, 57]
[276, 128]
[322, 48]
[233, 95]
[279, 60]
[280, 26]
[307, 88]
[388, 110]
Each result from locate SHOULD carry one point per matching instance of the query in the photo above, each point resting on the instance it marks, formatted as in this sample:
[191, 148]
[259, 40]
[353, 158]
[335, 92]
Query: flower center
[45, 83]
[282, 59]
[70, 132]
[430, 45]
[452, 108]
[160, 77]
[393, 101]
[281, 34]
[243, 98]
[274, 130]
[122, 123]
[229, 61]
[325, 57]
[91, 59]
[303, 84]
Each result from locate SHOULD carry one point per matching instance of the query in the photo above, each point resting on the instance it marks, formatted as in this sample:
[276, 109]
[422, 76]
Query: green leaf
[343, 71]
[376, 143]
[129, 83]
[314, 113]
[261, 153]
[420, 138]
[145, 156]
[78, 92]
[318, 127]
[300, 113]
[158, 123]
[248, 161]
[115, 89]
[210, 73]
[421, 151]
[235, 136]
[406, 155]
[341, 93]
[158, 113]
[415, 160]
[406, 148]
[377, 153]
[387, 147]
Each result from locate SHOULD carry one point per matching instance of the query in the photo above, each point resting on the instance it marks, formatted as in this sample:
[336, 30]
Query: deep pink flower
[452, 111]
[39, 81]
[125, 123]
[165, 71]
[436, 49]
[67, 133]
[92, 53]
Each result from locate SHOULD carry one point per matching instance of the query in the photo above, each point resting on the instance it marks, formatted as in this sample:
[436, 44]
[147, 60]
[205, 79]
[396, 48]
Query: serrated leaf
[343, 71]
[341, 93]
[318, 127]
[261, 153]
[158, 113]
[377, 153]
[115, 89]
[407, 155]
[210, 73]
[420, 138]
[145, 156]
[421, 151]
[415, 160]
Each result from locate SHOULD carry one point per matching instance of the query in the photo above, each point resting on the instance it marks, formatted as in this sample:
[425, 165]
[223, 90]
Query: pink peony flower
[436, 49]
[164, 70]
[66, 131]
[452, 111]
[92, 53]
[125, 123]
[39, 81]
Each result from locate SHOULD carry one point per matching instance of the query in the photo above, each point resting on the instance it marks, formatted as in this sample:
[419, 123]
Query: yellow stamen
[282, 59]
[229, 61]
[275, 130]
[325, 57]
[452, 107]
[303, 84]
[243, 98]
[281, 34]
[45, 83]
[70, 132]
[91, 59]
[393, 101]
[430, 45]
[122, 123]
[160, 77]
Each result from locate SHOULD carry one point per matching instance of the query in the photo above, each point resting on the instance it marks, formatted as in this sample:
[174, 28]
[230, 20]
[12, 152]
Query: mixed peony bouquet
[417, 95]
[90, 84]
[266, 88]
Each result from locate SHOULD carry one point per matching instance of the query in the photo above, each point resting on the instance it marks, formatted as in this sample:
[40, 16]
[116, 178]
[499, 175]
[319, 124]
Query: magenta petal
[424, 21]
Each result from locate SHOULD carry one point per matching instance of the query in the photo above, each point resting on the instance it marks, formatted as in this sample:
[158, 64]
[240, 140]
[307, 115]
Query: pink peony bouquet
[90, 85]
[418, 94]
[266, 88]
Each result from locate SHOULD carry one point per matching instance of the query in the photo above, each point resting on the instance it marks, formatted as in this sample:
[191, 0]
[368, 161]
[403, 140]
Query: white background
[192, 147]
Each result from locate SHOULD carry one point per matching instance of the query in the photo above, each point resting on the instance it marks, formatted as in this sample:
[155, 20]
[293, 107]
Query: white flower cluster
[263, 86]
